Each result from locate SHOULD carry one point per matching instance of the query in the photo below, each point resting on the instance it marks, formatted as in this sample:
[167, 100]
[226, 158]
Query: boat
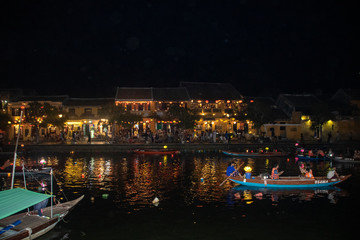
[156, 151]
[27, 225]
[288, 182]
[255, 154]
[308, 158]
[19, 171]
[345, 160]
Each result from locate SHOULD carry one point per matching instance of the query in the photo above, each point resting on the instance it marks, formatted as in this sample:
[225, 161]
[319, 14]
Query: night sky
[87, 48]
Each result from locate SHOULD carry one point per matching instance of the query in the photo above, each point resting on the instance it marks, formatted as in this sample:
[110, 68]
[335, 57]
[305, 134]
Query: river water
[120, 188]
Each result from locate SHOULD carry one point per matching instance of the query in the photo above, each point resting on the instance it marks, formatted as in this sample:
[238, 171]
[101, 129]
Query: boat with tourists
[255, 154]
[156, 151]
[288, 182]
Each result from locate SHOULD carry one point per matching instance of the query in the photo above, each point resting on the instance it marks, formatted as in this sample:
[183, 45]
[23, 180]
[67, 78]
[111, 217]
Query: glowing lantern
[165, 147]
[43, 161]
[247, 169]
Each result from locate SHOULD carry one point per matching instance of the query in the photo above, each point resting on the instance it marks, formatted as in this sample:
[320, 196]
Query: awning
[17, 199]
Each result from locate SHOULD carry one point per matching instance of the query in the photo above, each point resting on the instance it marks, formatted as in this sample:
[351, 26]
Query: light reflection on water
[119, 190]
[135, 180]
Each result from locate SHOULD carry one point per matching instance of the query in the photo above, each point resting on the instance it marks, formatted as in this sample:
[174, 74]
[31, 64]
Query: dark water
[119, 190]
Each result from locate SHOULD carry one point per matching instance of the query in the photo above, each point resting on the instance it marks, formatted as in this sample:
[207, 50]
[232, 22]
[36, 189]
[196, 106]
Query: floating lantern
[247, 169]
[43, 161]
[267, 148]
[43, 185]
[105, 196]
[156, 201]
[165, 147]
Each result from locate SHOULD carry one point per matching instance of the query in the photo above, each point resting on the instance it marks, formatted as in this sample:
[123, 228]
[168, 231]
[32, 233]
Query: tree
[319, 114]
[258, 112]
[117, 114]
[34, 116]
[54, 116]
[4, 121]
[185, 116]
[42, 115]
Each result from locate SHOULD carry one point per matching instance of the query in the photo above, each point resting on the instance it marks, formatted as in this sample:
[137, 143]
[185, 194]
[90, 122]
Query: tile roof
[170, 94]
[211, 91]
[299, 102]
[133, 94]
[88, 101]
[55, 98]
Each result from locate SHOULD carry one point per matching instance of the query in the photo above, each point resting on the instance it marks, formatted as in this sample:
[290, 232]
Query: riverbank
[106, 147]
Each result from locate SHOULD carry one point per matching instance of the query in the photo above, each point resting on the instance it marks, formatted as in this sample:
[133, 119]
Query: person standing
[231, 171]
[89, 138]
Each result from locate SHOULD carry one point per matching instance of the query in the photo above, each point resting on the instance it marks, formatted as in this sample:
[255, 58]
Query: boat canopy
[17, 199]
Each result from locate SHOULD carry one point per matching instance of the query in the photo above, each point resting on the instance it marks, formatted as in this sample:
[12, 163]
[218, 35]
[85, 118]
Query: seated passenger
[310, 153]
[320, 153]
[275, 172]
[332, 174]
[302, 169]
[309, 173]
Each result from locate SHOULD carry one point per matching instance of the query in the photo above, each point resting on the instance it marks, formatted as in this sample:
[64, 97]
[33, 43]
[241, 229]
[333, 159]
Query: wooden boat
[25, 225]
[255, 154]
[19, 172]
[156, 151]
[345, 160]
[288, 182]
[30, 226]
[308, 158]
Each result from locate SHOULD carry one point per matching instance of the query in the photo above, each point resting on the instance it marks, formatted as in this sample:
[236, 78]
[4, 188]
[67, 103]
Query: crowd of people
[175, 136]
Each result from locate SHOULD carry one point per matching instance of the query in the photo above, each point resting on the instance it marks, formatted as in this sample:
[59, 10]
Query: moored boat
[28, 225]
[288, 182]
[345, 160]
[19, 172]
[255, 154]
[156, 151]
[308, 158]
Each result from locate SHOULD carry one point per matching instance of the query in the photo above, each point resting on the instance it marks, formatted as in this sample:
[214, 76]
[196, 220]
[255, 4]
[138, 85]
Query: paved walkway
[102, 146]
